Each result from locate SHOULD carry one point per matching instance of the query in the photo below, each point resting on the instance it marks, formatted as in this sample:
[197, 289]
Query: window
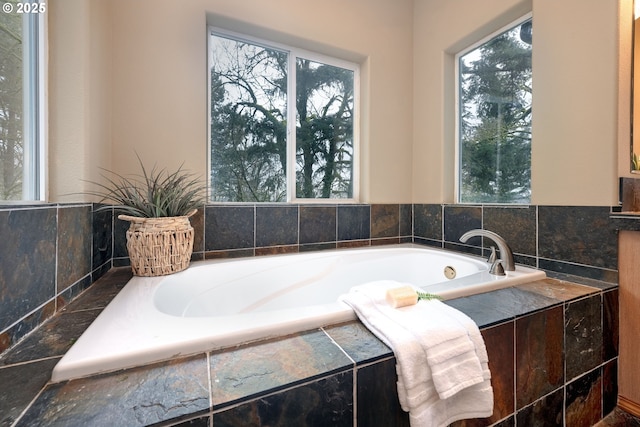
[494, 118]
[283, 123]
[21, 101]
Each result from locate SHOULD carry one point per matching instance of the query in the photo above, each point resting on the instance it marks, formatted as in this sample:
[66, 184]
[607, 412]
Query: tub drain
[449, 272]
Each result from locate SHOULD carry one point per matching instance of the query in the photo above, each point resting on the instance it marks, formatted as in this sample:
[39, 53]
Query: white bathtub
[216, 304]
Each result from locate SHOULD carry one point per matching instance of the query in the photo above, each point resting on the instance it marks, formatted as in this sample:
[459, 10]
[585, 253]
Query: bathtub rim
[107, 329]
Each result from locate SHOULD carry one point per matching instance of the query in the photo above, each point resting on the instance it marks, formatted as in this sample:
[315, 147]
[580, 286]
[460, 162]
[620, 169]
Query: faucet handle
[497, 269]
[492, 257]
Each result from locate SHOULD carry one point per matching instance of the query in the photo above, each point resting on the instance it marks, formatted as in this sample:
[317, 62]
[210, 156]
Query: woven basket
[159, 246]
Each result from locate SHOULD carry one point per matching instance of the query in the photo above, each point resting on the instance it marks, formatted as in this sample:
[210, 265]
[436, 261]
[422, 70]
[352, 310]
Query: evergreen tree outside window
[494, 118]
[282, 123]
[22, 100]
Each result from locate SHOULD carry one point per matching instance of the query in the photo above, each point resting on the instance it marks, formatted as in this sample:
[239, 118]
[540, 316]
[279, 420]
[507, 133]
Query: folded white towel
[442, 367]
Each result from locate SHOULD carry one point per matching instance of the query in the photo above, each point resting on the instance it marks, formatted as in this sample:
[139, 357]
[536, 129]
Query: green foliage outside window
[11, 111]
[495, 93]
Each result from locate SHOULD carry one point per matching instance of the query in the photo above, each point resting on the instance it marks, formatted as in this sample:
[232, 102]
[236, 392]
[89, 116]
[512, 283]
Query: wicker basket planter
[159, 246]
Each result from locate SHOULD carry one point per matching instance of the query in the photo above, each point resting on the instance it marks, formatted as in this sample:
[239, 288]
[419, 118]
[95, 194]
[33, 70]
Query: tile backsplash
[48, 254]
[51, 252]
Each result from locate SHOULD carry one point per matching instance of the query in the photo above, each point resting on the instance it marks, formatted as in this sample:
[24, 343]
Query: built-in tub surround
[219, 304]
[57, 238]
[551, 345]
[579, 240]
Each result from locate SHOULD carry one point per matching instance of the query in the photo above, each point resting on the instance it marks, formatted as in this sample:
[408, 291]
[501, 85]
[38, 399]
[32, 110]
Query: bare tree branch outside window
[249, 102]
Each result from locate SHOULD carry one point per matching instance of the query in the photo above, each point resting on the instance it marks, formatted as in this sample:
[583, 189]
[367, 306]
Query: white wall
[575, 95]
[441, 29]
[625, 59]
[79, 86]
[575, 66]
[130, 76]
[160, 76]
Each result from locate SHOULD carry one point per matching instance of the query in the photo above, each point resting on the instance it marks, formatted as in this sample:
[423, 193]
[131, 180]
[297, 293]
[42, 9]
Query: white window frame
[463, 52]
[34, 100]
[294, 53]
[34, 93]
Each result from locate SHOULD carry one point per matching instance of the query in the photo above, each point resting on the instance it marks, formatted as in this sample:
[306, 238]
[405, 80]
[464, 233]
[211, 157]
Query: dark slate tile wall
[539, 359]
[427, 224]
[610, 324]
[180, 388]
[354, 222]
[500, 344]
[120, 256]
[327, 402]
[246, 230]
[577, 240]
[544, 412]
[457, 221]
[73, 246]
[583, 336]
[532, 379]
[28, 275]
[385, 221]
[517, 225]
[48, 254]
[583, 401]
[317, 226]
[378, 403]
[229, 227]
[577, 234]
[540, 236]
[102, 241]
[276, 226]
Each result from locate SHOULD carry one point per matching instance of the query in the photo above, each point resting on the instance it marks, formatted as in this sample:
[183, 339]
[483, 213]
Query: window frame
[293, 53]
[457, 154]
[34, 104]
[35, 115]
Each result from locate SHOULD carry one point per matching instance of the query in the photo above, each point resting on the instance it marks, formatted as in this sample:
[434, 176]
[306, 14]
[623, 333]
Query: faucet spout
[506, 256]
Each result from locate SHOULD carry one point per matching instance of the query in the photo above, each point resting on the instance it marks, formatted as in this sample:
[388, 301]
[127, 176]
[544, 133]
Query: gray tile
[20, 383]
[54, 338]
[517, 225]
[229, 227]
[74, 245]
[378, 393]
[326, 402]
[317, 224]
[28, 240]
[578, 234]
[135, 397]
[385, 220]
[276, 225]
[358, 342]
[354, 222]
[427, 221]
[583, 335]
[268, 366]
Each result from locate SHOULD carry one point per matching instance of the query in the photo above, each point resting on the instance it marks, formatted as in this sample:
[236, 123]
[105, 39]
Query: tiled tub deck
[552, 348]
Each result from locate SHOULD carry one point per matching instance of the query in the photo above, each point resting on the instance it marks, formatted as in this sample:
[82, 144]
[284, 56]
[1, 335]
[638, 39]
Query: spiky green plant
[153, 194]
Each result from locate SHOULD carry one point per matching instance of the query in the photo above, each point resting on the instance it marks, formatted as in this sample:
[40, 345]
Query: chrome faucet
[506, 256]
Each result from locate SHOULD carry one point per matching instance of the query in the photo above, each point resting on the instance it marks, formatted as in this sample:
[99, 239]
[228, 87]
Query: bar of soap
[402, 297]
